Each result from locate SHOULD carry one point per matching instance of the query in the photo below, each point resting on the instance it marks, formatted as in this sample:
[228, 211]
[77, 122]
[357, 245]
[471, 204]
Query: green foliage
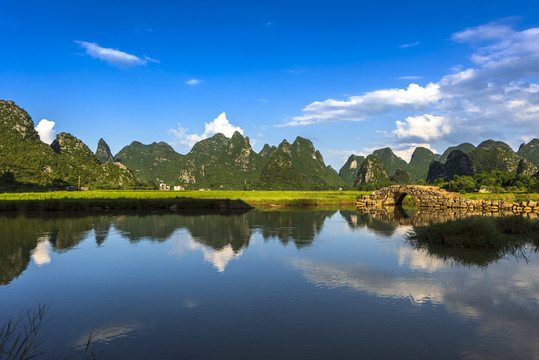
[401, 176]
[495, 181]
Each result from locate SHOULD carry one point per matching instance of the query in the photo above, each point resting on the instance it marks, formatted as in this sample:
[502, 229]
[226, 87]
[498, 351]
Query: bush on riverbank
[504, 233]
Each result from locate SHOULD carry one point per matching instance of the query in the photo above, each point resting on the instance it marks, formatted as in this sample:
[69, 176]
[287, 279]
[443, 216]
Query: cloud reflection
[219, 258]
[41, 253]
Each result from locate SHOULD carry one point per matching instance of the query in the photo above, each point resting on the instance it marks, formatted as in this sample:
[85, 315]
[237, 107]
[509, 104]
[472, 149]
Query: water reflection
[220, 237]
[337, 283]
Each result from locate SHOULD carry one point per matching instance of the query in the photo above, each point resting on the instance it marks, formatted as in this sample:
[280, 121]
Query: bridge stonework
[436, 198]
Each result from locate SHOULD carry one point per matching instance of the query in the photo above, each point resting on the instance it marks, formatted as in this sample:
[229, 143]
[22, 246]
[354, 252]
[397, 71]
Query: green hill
[458, 163]
[267, 151]
[279, 173]
[221, 163]
[530, 151]
[156, 162]
[372, 170]
[309, 164]
[26, 161]
[391, 161]
[80, 164]
[420, 162]
[350, 169]
[494, 155]
[464, 147]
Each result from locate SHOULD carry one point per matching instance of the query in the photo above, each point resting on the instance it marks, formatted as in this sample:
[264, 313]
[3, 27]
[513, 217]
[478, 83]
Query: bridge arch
[422, 196]
[434, 197]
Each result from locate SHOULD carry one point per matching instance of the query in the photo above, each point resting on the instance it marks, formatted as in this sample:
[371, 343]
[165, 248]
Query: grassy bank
[114, 199]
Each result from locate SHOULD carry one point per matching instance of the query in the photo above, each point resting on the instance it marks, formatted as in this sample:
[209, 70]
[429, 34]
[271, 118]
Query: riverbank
[141, 200]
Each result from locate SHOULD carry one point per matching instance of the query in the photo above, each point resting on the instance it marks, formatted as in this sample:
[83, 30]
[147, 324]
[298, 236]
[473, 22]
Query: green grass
[74, 200]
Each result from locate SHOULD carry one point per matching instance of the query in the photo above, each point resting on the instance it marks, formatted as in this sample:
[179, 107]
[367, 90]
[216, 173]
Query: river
[320, 284]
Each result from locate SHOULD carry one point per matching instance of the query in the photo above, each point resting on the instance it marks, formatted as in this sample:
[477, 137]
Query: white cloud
[423, 127]
[114, 57]
[404, 46]
[356, 108]
[218, 125]
[45, 129]
[497, 96]
[343, 155]
[193, 82]
[405, 150]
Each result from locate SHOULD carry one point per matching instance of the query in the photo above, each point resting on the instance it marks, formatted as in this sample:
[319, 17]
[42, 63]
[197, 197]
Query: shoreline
[174, 201]
[105, 200]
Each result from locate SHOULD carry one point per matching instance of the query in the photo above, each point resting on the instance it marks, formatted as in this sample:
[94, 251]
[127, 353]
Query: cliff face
[527, 168]
[103, 153]
[372, 170]
[350, 169]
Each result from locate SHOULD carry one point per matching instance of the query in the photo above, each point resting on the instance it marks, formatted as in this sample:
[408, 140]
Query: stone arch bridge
[436, 198]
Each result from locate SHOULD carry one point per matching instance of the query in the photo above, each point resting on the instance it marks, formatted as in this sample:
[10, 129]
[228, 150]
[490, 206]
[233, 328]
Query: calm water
[264, 285]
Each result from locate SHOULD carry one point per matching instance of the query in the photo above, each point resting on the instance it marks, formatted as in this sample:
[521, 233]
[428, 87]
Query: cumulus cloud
[45, 130]
[423, 127]
[356, 108]
[113, 56]
[498, 94]
[193, 82]
[218, 125]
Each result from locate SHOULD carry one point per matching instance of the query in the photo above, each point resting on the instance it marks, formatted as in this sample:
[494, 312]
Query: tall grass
[478, 240]
[21, 338]
[479, 232]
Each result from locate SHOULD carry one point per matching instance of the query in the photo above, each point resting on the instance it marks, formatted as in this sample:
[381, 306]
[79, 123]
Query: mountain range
[226, 163]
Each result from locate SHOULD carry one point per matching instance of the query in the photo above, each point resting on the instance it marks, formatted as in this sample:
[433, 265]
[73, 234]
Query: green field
[66, 200]
[150, 199]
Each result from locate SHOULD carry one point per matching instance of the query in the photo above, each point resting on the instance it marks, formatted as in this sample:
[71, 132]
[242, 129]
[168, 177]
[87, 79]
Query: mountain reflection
[220, 237]
[26, 237]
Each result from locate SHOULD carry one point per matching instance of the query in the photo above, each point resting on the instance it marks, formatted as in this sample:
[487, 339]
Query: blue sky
[352, 76]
